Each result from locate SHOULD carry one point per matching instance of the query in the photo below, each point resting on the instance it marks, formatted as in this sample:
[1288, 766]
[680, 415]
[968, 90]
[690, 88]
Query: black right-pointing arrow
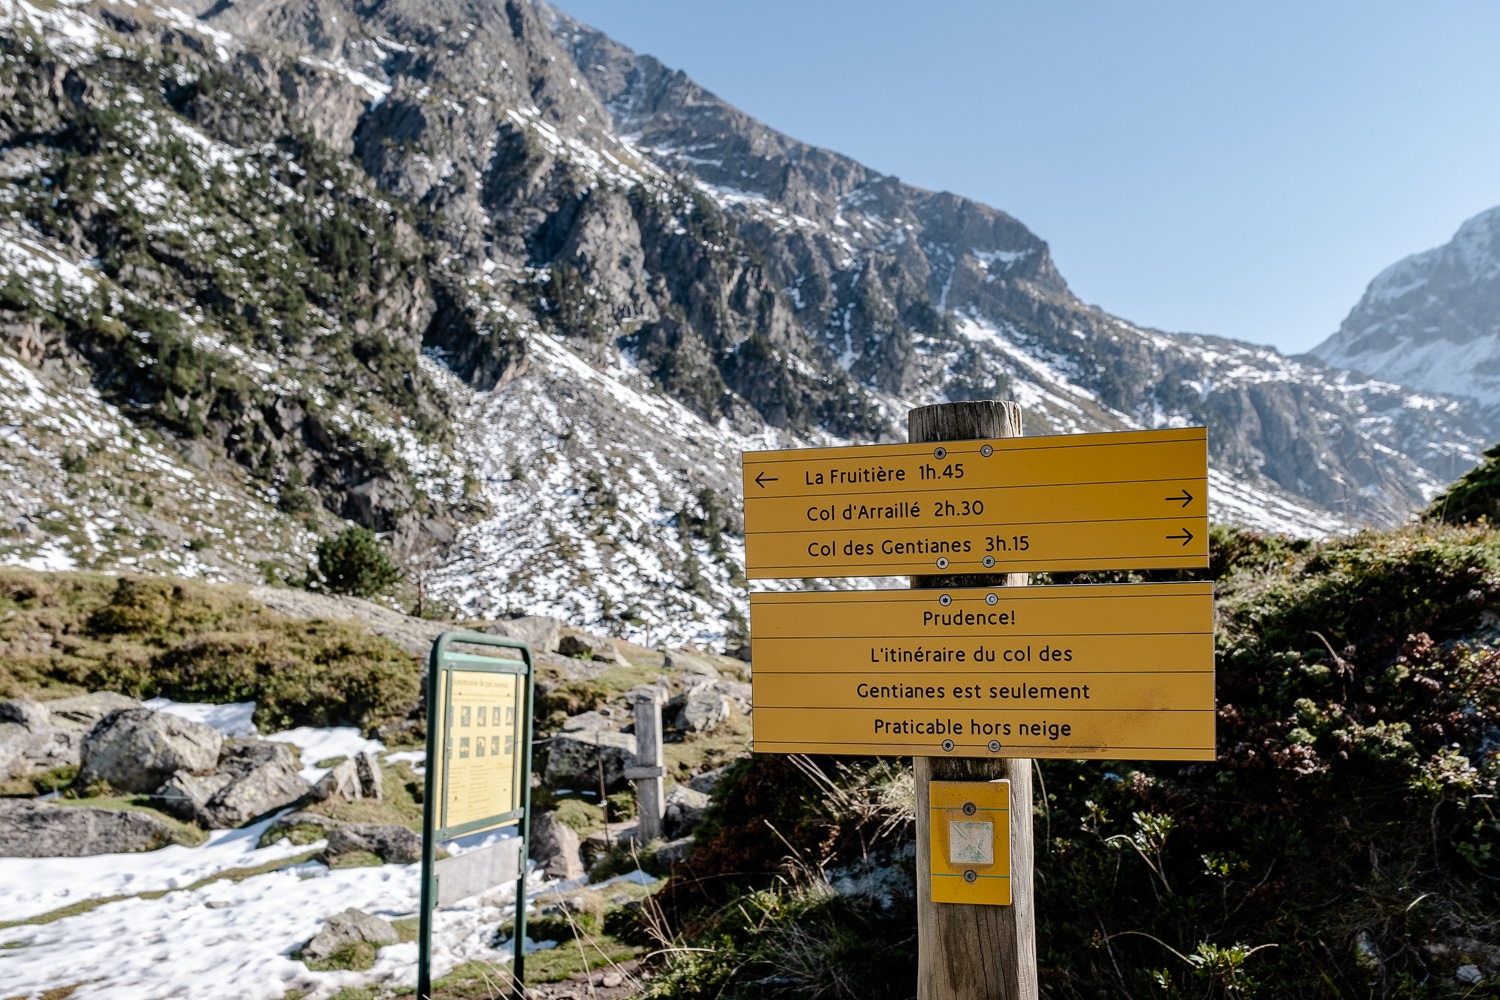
[1186, 536]
[1184, 496]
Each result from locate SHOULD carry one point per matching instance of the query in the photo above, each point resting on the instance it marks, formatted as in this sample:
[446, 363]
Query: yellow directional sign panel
[1123, 671]
[1125, 500]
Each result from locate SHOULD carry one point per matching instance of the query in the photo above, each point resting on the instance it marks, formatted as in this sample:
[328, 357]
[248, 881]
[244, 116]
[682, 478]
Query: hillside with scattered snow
[516, 298]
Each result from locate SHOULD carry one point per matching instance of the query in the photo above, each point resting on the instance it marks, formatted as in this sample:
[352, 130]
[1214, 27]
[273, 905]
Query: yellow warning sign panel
[1120, 671]
[479, 719]
[1125, 500]
[970, 841]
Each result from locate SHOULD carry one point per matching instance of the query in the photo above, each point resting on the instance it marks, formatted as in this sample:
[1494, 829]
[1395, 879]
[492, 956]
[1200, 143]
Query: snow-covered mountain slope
[1432, 320]
[483, 281]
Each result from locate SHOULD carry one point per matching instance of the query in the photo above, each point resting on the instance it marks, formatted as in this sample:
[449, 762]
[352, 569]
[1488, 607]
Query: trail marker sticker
[970, 841]
[1121, 671]
[1124, 500]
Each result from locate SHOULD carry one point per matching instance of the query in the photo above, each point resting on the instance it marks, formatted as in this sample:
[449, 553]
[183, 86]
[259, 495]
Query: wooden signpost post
[969, 676]
[479, 693]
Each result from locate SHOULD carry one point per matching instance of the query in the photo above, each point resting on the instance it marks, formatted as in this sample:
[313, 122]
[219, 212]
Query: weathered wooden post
[967, 951]
[648, 772]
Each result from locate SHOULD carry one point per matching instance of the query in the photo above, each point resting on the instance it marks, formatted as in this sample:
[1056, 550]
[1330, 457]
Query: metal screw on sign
[948, 746]
[945, 600]
[989, 562]
[971, 876]
[970, 809]
[992, 599]
[940, 453]
[994, 746]
[942, 562]
[986, 450]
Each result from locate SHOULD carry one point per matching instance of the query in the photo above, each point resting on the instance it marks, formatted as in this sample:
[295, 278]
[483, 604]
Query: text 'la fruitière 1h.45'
[1124, 500]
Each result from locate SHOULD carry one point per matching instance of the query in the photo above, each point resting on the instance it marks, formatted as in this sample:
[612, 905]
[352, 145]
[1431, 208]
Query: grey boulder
[341, 781]
[573, 759]
[38, 736]
[352, 779]
[371, 781]
[673, 851]
[82, 712]
[350, 927]
[691, 664]
[254, 778]
[391, 842]
[555, 847]
[139, 750]
[684, 810]
[26, 713]
[589, 647]
[31, 829]
[539, 632]
[699, 710]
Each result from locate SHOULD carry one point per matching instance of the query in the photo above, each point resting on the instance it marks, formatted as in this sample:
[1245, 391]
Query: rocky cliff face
[476, 276]
[1432, 320]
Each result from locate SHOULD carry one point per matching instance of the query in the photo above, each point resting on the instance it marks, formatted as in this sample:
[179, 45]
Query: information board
[479, 691]
[1124, 500]
[480, 722]
[1109, 671]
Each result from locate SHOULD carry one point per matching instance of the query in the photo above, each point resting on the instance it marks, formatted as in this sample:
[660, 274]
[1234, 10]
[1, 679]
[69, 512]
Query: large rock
[85, 710]
[138, 750]
[391, 843]
[350, 927]
[186, 796]
[691, 664]
[539, 632]
[263, 778]
[573, 759]
[699, 710]
[685, 807]
[555, 847]
[589, 647]
[672, 852]
[36, 736]
[31, 829]
[371, 780]
[588, 722]
[341, 781]
[27, 713]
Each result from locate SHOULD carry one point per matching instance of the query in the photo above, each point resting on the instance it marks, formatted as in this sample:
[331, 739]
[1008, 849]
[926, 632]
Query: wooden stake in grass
[968, 952]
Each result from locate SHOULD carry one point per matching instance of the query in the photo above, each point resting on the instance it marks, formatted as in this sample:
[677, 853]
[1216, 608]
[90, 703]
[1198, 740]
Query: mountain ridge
[523, 330]
[1430, 319]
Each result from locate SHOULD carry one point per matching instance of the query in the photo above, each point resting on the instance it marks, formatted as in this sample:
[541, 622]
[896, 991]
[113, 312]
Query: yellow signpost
[1126, 500]
[1109, 671]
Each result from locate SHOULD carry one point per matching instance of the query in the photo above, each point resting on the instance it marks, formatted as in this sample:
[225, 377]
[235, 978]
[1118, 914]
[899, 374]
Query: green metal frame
[434, 826]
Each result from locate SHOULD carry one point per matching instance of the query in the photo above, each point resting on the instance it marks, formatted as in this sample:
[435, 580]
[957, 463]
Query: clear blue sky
[1239, 169]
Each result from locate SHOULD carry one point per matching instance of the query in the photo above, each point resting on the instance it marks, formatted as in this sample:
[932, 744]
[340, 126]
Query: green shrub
[356, 563]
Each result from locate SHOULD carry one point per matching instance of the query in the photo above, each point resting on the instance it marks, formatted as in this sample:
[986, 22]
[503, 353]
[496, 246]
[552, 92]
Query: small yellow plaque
[970, 824]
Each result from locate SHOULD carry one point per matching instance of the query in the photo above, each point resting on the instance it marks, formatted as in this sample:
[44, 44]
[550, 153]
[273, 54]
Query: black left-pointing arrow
[761, 479]
[1186, 536]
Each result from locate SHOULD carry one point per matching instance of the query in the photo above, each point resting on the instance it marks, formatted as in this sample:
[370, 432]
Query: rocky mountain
[1432, 320]
[477, 277]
